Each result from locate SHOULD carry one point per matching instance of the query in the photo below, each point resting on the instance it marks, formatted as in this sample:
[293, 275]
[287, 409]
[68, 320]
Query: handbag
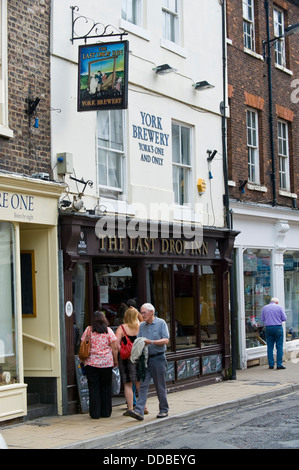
[125, 349]
[116, 381]
[84, 351]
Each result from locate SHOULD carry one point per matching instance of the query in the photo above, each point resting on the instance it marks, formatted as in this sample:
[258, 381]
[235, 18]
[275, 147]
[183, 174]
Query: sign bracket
[93, 29]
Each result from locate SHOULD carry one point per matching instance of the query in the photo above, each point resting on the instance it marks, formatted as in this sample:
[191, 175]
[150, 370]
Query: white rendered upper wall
[170, 97]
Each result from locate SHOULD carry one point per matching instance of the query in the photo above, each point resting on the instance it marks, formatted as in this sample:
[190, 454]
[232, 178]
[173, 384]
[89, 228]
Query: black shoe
[281, 367]
[271, 367]
[135, 415]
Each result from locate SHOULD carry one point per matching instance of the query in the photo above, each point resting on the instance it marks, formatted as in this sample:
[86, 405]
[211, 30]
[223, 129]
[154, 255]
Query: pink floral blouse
[100, 349]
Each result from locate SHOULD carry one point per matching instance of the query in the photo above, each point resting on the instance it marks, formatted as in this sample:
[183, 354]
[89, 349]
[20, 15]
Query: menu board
[82, 386]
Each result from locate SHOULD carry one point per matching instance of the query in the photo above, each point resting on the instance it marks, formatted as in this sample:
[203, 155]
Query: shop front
[266, 267]
[187, 286]
[29, 312]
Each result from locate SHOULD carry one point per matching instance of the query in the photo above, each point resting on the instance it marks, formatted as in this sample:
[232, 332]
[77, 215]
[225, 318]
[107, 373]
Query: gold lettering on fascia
[148, 245]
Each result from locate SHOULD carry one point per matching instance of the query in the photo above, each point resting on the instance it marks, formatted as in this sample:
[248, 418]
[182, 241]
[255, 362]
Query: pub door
[77, 292]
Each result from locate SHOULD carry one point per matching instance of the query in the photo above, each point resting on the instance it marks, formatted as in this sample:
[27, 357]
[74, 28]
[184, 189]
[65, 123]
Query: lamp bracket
[93, 29]
[88, 182]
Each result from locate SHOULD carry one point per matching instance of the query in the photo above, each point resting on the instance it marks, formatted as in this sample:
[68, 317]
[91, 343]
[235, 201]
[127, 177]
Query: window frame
[5, 131]
[279, 45]
[109, 149]
[185, 197]
[167, 12]
[253, 149]
[137, 8]
[248, 23]
[284, 157]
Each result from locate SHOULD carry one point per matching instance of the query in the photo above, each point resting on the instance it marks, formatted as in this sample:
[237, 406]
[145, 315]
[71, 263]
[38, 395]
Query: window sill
[134, 29]
[256, 187]
[283, 69]
[173, 47]
[6, 132]
[285, 193]
[253, 54]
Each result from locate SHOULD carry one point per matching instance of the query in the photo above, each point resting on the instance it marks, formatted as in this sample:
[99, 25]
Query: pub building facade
[188, 287]
[131, 139]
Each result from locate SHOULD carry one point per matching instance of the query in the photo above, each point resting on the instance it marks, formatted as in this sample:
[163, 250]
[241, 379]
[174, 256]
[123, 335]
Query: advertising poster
[103, 76]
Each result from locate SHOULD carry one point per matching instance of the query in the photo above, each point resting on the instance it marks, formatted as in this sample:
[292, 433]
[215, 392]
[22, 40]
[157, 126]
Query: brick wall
[28, 72]
[248, 87]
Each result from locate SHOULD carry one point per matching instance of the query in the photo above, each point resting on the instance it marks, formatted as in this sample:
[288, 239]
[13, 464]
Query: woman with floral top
[99, 365]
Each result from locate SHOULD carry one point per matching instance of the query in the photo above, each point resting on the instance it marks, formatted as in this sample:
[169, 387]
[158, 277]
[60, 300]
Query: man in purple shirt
[272, 316]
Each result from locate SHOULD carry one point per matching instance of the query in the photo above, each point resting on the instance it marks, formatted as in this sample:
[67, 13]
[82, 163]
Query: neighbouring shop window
[115, 284]
[158, 284]
[209, 312]
[291, 292]
[8, 316]
[257, 286]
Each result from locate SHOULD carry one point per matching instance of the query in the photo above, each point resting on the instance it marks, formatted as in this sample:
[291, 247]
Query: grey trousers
[156, 369]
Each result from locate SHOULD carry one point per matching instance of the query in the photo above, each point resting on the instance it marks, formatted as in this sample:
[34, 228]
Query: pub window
[170, 12]
[131, 11]
[111, 150]
[181, 163]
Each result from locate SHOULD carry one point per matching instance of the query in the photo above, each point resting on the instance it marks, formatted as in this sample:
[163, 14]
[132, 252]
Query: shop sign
[103, 76]
[152, 140]
[23, 206]
[152, 246]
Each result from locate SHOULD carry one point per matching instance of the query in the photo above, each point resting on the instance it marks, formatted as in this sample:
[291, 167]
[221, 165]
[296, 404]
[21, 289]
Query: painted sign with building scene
[103, 76]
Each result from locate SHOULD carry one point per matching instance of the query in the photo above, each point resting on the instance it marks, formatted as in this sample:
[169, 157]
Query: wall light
[165, 68]
[204, 85]
[212, 154]
[242, 185]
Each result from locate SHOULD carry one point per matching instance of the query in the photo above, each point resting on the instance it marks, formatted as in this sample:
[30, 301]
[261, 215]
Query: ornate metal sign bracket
[94, 30]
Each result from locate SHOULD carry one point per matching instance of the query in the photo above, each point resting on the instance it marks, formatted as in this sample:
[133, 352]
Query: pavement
[79, 431]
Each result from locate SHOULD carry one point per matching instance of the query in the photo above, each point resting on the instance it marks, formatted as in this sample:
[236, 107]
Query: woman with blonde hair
[128, 372]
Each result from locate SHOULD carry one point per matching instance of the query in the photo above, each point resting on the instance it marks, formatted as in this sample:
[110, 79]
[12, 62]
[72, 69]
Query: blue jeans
[274, 335]
[156, 369]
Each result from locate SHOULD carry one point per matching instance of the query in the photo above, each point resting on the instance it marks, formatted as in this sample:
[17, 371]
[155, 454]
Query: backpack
[125, 349]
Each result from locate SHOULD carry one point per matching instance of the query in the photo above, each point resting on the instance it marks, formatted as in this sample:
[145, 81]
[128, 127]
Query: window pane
[103, 128]
[102, 167]
[114, 170]
[175, 143]
[116, 130]
[209, 313]
[185, 139]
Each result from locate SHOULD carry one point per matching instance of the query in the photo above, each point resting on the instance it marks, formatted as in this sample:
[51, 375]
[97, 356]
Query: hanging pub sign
[103, 76]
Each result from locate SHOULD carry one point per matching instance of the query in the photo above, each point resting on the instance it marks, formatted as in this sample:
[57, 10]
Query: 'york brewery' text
[152, 245]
